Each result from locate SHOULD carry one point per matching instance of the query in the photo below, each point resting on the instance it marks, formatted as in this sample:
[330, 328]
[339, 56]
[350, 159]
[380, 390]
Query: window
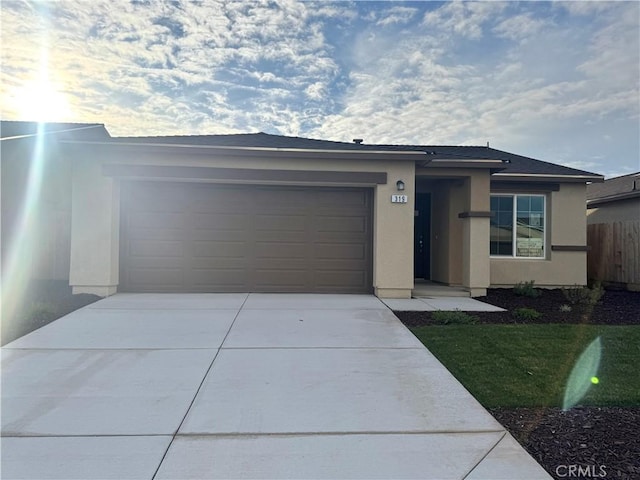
[517, 226]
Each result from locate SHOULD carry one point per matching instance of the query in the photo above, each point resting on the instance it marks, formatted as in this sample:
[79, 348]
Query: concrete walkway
[143, 386]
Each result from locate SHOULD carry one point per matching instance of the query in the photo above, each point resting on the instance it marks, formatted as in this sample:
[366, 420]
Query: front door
[422, 236]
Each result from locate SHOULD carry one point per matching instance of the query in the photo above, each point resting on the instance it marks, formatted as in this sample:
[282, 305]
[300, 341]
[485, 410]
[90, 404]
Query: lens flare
[583, 374]
[23, 243]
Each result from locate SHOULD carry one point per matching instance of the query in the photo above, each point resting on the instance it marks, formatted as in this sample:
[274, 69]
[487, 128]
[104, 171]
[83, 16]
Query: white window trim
[514, 223]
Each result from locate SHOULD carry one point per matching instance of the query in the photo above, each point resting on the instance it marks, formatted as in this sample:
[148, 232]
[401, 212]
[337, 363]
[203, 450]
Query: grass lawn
[528, 365]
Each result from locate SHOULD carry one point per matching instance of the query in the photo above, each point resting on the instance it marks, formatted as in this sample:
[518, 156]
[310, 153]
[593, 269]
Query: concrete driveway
[164, 386]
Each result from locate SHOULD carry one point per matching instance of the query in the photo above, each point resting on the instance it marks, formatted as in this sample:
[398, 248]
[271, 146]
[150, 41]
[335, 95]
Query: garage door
[186, 237]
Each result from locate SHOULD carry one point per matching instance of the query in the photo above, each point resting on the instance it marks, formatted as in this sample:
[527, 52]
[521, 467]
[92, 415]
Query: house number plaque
[399, 198]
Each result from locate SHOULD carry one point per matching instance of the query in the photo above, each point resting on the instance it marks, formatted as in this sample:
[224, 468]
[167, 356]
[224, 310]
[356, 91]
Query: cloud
[551, 80]
[396, 15]
[129, 56]
[466, 19]
[519, 27]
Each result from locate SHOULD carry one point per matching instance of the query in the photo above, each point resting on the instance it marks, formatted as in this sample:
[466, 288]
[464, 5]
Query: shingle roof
[514, 164]
[67, 131]
[618, 188]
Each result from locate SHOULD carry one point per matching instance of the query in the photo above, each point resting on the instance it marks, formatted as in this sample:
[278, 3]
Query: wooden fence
[614, 257]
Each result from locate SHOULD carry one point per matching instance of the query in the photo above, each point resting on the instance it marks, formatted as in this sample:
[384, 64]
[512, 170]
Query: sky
[557, 81]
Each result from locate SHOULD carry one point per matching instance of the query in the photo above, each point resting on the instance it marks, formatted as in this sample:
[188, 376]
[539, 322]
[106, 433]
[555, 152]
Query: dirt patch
[603, 441]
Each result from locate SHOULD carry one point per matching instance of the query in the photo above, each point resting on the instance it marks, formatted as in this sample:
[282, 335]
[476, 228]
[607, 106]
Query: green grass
[528, 365]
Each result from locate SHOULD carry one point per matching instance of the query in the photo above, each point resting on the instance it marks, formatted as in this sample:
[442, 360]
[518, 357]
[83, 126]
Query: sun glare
[40, 100]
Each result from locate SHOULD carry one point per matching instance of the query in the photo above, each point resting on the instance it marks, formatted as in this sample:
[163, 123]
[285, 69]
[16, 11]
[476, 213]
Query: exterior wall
[620, 211]
[95, 222]
[95, 230]
[49, 218]
[566, 225]
[475, 235]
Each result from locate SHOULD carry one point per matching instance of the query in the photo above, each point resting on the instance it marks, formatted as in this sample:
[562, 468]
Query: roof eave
[52, 132]
[545, 177]
[494, 165]
[267, 152]
[593, 202]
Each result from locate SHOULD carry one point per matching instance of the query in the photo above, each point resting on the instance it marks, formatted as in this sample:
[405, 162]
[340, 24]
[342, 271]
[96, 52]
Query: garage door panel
[206, 198]
[281, 251]
[215, 249]
[220, 279]
[280, 223]
[160, 198]
[150, 262]
[277, 279]
[331, 251]
[166, 234]
[331, 279]
[155, 248]
[341, 224]
[344, 198]
[274, 237]
[157, 220]
[162, 277]
[245, 238]
[219, 221]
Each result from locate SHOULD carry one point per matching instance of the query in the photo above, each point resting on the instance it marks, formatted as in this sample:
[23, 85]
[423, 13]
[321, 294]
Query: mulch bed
[615, 308]
[603, 438]
[603, 441]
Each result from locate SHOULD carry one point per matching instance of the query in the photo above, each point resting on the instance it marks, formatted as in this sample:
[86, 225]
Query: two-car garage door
[197, 237]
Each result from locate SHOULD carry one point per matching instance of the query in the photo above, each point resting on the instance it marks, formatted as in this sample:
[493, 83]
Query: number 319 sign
[399, 198]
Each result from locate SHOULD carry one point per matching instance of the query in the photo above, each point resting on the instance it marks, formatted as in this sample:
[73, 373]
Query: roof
[513, 164]
[614, 189]
[13, 130]
[515, 167]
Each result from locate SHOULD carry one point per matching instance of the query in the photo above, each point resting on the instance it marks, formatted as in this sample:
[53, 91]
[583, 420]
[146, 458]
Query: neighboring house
[268, 213]
[36, 215]
[613, 218]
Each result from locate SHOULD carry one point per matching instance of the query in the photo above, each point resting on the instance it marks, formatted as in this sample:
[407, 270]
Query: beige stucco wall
[620, 211]
[95, 229]
[565, 226]
[95, 221]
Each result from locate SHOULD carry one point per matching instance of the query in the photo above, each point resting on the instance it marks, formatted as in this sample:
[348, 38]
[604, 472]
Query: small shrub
[526, 289]
[585, 296]
[565, 308]
[453, 318]
[526, 314]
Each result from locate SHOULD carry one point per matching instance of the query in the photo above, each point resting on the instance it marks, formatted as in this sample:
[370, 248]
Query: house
[613, 230]
[36, 195]
[269, 213]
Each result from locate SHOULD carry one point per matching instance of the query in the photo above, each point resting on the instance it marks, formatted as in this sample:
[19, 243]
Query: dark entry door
[422, 236]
